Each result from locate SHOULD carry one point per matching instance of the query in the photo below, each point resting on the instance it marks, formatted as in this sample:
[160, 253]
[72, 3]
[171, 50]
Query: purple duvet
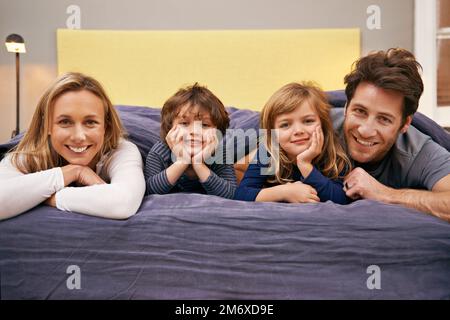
[191, 246]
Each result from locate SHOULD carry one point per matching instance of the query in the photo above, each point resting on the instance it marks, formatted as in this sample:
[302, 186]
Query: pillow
[142, 125]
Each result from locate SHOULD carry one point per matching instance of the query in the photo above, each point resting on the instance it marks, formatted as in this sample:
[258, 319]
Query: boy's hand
[208, 149]
[175, 142]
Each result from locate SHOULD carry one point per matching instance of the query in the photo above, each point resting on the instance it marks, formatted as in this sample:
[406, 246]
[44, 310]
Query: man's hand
[360, 184]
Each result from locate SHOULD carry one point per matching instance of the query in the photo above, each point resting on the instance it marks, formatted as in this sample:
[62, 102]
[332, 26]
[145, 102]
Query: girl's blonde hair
[333, 159]
[34, 152]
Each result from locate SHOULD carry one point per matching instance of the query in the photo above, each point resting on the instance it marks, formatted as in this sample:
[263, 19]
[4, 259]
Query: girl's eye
[284, 125]
[183, 123]
[310, 121]
[206, 125]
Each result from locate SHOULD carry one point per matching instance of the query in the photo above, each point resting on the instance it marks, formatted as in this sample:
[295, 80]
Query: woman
[73, 156]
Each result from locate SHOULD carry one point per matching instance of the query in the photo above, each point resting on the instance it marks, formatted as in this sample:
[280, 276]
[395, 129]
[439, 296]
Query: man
[394, 163]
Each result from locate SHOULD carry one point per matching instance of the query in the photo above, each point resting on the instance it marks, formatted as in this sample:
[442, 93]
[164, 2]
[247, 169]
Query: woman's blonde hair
[333, 161]
[34, 152]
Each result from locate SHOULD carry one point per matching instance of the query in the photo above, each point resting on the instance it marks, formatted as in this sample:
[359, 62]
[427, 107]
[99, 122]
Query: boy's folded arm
[222, 183]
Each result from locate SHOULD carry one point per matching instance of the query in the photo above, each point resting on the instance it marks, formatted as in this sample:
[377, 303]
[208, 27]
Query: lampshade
[15, 43]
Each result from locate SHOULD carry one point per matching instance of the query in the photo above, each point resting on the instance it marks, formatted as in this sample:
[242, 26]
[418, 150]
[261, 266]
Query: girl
[189, 123]
[75, 138]
[308, 160]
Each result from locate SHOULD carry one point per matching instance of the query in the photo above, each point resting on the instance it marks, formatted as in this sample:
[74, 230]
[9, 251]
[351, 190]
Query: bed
[193, 246]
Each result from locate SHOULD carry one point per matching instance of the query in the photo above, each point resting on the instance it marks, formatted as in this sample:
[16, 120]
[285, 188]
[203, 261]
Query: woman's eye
[64, 122]
[91, 122]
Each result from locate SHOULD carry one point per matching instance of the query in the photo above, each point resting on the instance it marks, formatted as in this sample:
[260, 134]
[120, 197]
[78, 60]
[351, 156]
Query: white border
[425, 20]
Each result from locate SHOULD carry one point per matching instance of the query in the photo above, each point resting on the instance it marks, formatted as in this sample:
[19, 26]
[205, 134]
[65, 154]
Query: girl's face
[295, 129]
[77, 127]
[195, 124]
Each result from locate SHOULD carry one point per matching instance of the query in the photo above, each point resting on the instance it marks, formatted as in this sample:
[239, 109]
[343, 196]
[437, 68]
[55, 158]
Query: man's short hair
[395, 69]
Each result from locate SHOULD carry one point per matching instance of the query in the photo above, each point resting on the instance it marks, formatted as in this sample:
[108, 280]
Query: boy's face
[195, 123]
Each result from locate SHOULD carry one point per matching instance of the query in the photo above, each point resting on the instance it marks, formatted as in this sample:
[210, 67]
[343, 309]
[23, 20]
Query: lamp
[15, 43]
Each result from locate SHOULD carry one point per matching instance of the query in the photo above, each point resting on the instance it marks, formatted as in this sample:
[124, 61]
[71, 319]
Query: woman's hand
[298, 192]
[51, 201]
[175, 142]
[81, 175]
[87, 177]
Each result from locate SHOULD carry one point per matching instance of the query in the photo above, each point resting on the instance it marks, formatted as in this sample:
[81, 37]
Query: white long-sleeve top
[118, 199]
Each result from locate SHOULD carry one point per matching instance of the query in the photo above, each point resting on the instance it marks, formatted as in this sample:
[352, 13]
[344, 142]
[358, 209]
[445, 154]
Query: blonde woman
[73, 156]
[309, 163]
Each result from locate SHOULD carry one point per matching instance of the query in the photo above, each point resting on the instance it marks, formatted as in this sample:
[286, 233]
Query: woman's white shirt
[118, 199]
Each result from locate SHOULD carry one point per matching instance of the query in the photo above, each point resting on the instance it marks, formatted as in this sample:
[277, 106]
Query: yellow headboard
[242, 67]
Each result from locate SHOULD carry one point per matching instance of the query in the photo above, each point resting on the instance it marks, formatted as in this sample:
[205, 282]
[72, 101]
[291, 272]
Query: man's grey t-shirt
[415, 160]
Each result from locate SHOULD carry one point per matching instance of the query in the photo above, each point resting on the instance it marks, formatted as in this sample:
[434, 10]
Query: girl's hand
[314, 149]
[175, 142]
[208, 149]
[299, 192]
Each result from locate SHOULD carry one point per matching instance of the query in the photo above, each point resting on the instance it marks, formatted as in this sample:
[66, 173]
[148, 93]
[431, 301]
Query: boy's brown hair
[195, 95]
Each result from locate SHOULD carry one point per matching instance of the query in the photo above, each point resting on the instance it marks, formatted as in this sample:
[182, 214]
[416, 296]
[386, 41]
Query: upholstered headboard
[242, 67]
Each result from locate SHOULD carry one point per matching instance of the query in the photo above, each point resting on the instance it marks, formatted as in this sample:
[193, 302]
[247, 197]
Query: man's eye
[385, 120]
[359, 111]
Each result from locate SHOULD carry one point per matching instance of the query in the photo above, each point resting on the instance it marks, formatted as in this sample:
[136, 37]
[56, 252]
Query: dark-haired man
[394, 162]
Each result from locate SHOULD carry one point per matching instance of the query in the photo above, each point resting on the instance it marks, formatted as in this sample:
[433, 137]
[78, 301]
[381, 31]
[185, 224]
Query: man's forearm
[432, 202]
